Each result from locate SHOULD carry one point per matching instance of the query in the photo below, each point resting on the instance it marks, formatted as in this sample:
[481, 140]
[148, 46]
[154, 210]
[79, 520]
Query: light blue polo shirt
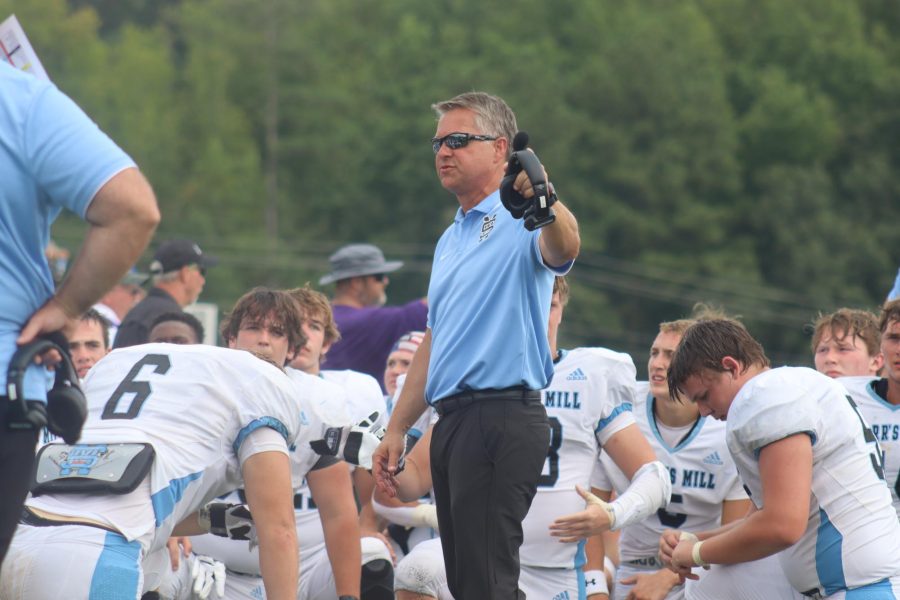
[52, 156]
[488, 305]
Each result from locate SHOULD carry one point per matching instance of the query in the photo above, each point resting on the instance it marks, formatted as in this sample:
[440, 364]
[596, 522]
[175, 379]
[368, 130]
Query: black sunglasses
[455, 141]
[379, 277]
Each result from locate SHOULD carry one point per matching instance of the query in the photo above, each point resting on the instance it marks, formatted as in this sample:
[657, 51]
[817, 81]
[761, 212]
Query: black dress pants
[486, 459]
[16, 461]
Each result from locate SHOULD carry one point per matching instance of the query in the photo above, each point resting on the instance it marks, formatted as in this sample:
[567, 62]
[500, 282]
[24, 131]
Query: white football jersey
[884, 419]
[587, 402]
[702, 473]
[237, 555]
[363, 394]
[852, 536]
[196, 405]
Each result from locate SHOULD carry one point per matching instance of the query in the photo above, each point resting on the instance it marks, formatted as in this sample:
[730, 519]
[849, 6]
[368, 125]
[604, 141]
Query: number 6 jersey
[195, 405]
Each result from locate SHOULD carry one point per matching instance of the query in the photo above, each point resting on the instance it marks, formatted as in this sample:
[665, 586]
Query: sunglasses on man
[457, 140]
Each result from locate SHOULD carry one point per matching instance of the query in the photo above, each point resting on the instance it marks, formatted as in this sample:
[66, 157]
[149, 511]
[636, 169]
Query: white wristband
[695, 556]
[595, 583]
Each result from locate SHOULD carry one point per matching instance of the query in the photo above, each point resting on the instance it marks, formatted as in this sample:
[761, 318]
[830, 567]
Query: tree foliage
[740, 152]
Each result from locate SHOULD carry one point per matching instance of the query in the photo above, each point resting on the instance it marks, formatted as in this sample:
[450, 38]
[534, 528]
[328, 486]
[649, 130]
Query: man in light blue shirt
[52, 156]
[485, 354]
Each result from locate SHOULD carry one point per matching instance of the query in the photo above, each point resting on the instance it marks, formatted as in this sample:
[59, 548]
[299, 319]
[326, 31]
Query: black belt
[465, 399]
[29, 518]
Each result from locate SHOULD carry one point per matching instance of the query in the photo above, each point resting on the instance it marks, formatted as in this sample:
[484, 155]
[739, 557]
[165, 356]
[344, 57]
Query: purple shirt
[367, 335]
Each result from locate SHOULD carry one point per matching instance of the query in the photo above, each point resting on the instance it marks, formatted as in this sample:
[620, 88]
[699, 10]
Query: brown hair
[92, 314]
[258, 304]
[561, 287]
[314, 304]
[704, 345]
[846, 322]
[889, 312]
[700, 312]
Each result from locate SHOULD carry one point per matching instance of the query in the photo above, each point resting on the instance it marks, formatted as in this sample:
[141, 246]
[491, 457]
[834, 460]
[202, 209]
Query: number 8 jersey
[587, 402]
[195, 405]
[852, 536]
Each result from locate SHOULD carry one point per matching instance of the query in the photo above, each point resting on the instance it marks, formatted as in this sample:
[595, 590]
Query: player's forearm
[279, 562]
[413, 482]
[560, 241]
[411, 403]
[595, 553]
[755, 537]
[123, 217]
[189, 526]
[343, 547]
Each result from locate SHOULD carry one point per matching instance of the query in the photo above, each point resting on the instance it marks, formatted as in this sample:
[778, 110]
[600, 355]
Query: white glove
[355, 444]
[224, 519]
[206, 572]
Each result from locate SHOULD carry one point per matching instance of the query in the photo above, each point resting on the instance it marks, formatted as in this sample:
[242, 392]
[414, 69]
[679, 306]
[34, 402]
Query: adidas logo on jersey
[577, 375]
[713, 459]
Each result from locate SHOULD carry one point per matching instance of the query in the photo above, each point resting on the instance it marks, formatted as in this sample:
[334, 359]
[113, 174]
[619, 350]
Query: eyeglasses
[457, 140]
[379, 277]
[201, 269]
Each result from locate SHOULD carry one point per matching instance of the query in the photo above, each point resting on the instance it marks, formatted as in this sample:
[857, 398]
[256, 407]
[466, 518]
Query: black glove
[224, 519]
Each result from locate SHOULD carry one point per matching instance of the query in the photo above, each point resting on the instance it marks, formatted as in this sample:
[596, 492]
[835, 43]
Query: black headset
[66, 408]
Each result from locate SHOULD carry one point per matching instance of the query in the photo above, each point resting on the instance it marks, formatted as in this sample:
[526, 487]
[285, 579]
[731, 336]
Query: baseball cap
[409, 342]
[356, 260]
[175, 254]
[134, 277]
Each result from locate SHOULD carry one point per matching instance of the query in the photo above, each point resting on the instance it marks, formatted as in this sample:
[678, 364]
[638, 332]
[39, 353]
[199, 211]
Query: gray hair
[492, 115]
[161, 277]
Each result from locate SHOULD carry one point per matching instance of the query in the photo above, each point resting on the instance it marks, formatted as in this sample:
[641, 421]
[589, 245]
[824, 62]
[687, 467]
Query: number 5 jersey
[702, 473]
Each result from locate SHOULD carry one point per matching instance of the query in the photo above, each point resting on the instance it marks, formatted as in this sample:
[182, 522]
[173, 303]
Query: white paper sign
[17, 51]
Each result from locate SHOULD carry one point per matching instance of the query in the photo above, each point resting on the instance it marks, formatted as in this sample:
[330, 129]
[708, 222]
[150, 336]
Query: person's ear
[731, 365]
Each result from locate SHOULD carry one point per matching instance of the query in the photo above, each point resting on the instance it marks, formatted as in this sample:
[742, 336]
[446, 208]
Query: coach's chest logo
[487, 226]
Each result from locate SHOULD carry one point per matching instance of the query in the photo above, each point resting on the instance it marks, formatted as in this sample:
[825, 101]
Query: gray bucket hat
[356, 260]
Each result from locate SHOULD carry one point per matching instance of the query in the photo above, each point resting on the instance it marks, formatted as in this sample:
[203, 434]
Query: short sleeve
[70, 156]
[770, 414]
[261, 440]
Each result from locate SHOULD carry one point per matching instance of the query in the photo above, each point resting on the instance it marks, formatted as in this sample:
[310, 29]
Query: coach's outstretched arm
[560, 241]
[410, 407]
[123, 216]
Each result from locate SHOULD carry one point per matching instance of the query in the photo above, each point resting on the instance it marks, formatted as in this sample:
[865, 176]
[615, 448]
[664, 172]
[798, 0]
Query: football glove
[354, 444]
[224, 519]
[207, 572]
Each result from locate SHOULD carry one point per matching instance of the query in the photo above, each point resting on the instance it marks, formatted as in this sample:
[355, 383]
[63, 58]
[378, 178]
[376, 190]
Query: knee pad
[420, 573]
[377, 581]
[372, 548]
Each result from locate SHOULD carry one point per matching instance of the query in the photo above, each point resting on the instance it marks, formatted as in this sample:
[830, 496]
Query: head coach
[485, 354]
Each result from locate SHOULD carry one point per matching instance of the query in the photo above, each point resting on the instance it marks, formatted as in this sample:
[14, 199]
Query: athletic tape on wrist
[695, 555]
